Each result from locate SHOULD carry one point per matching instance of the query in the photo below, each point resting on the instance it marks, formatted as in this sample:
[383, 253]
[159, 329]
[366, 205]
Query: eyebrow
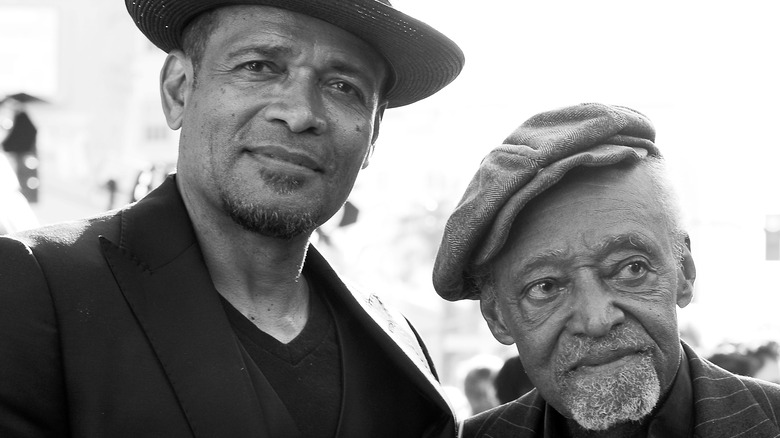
[278, 51]
[628, 240]
[601, 250]
[267, 51]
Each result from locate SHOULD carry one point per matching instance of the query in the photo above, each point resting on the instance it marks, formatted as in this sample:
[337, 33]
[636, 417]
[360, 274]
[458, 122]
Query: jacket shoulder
[69, 234]
[518, 418]
[726, 404]
[767, 395]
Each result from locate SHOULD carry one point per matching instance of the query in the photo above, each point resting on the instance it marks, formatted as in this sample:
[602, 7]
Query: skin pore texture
[587, 287]
[282, 117]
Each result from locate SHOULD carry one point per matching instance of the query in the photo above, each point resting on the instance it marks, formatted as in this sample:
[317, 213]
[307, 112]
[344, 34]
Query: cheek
[536, 340]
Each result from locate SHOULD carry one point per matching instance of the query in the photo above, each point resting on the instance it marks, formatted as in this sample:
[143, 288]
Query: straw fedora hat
[423, 61]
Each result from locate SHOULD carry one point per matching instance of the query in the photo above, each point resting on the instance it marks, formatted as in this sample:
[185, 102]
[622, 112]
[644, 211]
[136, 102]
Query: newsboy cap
[533, 158]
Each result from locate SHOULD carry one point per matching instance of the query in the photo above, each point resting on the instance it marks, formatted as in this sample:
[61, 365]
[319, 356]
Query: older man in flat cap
[570, 237]
[202, 311]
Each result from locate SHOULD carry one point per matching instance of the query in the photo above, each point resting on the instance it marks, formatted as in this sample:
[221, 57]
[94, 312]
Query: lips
[604, 357]
[284, 155]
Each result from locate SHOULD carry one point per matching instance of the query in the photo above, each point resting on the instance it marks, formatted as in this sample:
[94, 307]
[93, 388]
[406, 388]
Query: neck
[260, 276]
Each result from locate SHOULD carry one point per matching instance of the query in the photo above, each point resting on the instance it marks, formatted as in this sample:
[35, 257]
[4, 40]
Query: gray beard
[267, 222]
[601, 402]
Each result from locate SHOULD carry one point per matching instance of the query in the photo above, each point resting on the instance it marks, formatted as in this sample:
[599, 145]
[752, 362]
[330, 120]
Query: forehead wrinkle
[600, 250]
[556, 257]
[630, 240]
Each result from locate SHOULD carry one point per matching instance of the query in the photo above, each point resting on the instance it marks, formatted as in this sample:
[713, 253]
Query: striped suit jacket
[725, 406]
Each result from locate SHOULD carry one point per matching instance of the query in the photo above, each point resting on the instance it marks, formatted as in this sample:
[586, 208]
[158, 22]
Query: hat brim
[423, 61]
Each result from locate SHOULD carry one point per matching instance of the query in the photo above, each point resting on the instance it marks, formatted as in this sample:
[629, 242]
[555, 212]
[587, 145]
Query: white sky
[705, 72]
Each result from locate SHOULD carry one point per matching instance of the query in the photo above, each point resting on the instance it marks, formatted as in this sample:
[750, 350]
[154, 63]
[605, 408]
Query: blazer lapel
[160, 270]
[387, 327]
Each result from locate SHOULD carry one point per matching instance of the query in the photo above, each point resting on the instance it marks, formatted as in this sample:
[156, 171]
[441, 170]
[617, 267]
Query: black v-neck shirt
[308, 375]
[306, 372]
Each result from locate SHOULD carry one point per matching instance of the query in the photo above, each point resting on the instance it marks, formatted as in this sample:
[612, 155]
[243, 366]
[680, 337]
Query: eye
[347, 88]
[543, 290]
[257, 66]
[632, 270]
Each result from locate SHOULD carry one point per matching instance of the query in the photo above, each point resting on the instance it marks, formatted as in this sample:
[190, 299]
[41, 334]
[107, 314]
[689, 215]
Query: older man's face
[587, 288]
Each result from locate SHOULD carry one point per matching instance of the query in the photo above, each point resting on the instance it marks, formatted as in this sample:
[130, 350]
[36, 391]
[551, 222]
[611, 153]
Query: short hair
[666, 196]
[196, 36]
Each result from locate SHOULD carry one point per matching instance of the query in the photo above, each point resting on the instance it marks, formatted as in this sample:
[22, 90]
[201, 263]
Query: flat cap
[533, 158]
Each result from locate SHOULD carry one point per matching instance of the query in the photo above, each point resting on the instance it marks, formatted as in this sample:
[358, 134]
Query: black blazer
[111, 327]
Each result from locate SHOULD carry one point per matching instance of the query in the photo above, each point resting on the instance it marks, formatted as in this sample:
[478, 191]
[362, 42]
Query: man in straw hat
[570, 237]
[202, 310]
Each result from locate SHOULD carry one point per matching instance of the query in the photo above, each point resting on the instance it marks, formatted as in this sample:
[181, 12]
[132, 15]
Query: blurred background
[706, 73]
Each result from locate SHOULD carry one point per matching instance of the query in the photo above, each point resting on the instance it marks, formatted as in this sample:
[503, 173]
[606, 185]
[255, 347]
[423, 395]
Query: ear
[495, 320]
[176, 79]
[686, 276]
[375, 135]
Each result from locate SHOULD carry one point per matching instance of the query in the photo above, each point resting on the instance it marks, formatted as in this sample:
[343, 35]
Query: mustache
[621, 338]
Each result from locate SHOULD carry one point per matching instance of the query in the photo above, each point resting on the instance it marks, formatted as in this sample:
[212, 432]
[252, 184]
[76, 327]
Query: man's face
[280, 120]
[587, 287]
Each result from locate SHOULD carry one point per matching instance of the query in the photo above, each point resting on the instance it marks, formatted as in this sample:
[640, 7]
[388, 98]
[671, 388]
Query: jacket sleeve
[32, 396]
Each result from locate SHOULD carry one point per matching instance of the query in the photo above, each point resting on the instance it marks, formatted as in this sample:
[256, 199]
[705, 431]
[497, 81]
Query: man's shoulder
[63, 235]
[725, 402]
[518, 418]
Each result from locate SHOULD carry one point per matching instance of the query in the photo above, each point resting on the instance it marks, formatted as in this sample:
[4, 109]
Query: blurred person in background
[202, 310]
[571, 238]
[20, 144]
[15, 211]
[512, 381]
[769, 358]
[761, 362]
[479, 390]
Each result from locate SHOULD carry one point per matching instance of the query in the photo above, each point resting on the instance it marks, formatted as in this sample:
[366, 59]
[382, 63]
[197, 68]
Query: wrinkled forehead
[293, 32]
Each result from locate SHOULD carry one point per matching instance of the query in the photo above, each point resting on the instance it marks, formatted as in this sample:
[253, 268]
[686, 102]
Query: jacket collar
[160, 270]
[386, 326]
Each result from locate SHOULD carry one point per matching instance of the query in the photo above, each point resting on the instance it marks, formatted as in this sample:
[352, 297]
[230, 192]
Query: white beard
[600, 402]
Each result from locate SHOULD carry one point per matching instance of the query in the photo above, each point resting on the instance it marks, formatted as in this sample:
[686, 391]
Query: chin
[268, 221]
[603, 401]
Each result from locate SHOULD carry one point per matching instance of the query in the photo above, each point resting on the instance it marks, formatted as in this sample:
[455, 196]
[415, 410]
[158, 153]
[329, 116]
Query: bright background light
[705, 72]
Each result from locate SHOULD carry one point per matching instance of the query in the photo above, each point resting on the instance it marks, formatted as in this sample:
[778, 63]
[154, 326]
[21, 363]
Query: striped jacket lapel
[522, 418]
[729, 406]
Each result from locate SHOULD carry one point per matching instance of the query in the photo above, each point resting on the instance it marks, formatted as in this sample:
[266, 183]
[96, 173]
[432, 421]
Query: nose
[299, 106]
[594, 309]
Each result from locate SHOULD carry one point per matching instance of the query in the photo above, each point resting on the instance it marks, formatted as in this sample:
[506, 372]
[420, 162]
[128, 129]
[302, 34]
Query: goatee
[598, 402]
[269, 222]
